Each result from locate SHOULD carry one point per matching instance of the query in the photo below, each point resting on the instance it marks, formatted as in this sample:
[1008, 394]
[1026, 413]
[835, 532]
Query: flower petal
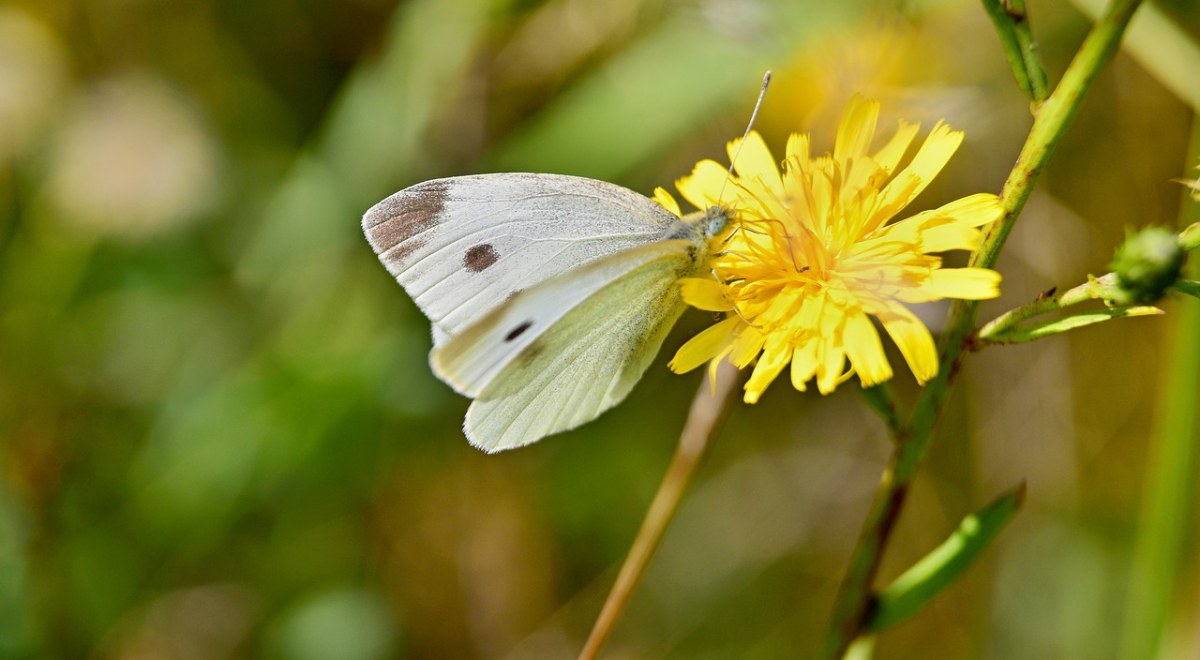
[703, 293]
[933, 155]
[746, 345]
[889, 156]
[774, 359]
[804, 363]
[973, 210]
[856, 130]
[797, 147]
[831, 356]
[666, 200]
[914, 341]
[753, 162]
[702, 188]
[704, 346]
[865, 350]
[965, 283]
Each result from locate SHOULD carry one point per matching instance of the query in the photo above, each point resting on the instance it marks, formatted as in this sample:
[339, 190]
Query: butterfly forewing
[463, 246]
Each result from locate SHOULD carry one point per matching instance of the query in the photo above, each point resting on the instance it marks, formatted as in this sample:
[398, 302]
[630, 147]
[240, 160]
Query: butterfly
[549, 295]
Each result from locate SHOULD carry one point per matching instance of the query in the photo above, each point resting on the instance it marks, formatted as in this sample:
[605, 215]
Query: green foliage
[910, 592]
[219, 436]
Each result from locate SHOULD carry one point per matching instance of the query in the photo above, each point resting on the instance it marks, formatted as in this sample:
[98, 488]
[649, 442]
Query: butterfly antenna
[762, 92]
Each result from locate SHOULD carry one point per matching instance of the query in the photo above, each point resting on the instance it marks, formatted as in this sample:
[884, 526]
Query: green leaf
[1041, 329]
[1189, 238]
[1084, 319]
[1190, 287]
[937, 570]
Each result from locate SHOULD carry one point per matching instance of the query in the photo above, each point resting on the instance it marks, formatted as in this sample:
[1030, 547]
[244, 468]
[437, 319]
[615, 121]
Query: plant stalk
[1049, 125]
[705, 418]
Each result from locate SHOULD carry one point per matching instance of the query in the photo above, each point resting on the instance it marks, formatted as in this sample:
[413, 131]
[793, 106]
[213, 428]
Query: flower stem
[705, 418]
[1016, 38]
[913, 440]
[881, 399]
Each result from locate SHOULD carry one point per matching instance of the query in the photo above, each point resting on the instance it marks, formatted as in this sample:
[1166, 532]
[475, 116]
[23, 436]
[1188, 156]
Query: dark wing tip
[394, 225]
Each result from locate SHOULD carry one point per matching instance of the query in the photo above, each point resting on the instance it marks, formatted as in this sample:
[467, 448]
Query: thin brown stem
[707, 414]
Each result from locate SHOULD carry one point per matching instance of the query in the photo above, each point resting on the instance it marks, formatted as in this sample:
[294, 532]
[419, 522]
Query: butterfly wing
[462, 246]
[584, 340]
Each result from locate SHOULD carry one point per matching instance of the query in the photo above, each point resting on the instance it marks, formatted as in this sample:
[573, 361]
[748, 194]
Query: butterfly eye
[718, 218]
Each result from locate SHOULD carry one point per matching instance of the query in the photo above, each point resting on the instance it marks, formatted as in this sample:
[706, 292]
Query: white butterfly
[549, 295]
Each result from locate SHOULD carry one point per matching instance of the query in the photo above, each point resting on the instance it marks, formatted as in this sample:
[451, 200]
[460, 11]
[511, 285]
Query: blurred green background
[220, 437]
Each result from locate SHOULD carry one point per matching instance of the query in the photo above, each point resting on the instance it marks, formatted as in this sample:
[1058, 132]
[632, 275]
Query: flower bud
[1147, 264]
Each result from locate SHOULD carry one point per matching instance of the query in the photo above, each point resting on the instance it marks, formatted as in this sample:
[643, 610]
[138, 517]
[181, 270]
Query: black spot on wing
[393, 226]
[480, 257]
[518, 331]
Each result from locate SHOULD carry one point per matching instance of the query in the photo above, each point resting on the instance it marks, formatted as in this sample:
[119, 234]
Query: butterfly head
[716, 219]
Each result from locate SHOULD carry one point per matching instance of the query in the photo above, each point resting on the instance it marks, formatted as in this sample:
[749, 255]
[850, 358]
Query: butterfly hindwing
[589, 359]
[472, 359]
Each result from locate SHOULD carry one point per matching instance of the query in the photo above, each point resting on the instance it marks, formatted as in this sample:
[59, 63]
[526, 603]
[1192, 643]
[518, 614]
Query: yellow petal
[804, 363]
[952, 226]
[704, 346]
[973, 210]
[933, 155]
[865, 350]
[889, 156]
[914, 341]
[857, 191]
[965, 283]
[666, 201]
[783, 305]
[856, 130]
[773, 360]
[704, 293]
[753, 162]
[947, 235]
[746, 346]
[702, 187]
[831, 356]
[797, 147]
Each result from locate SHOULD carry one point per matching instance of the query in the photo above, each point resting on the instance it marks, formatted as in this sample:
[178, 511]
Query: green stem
[1016, 39]
[1009, 44]
[911, 443]
[1039, 85]
[882, 400]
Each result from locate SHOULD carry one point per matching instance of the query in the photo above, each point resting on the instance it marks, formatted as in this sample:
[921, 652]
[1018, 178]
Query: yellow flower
[811, 256]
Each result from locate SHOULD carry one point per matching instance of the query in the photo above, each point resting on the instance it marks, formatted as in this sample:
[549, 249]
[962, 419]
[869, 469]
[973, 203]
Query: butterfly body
[549, 295]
